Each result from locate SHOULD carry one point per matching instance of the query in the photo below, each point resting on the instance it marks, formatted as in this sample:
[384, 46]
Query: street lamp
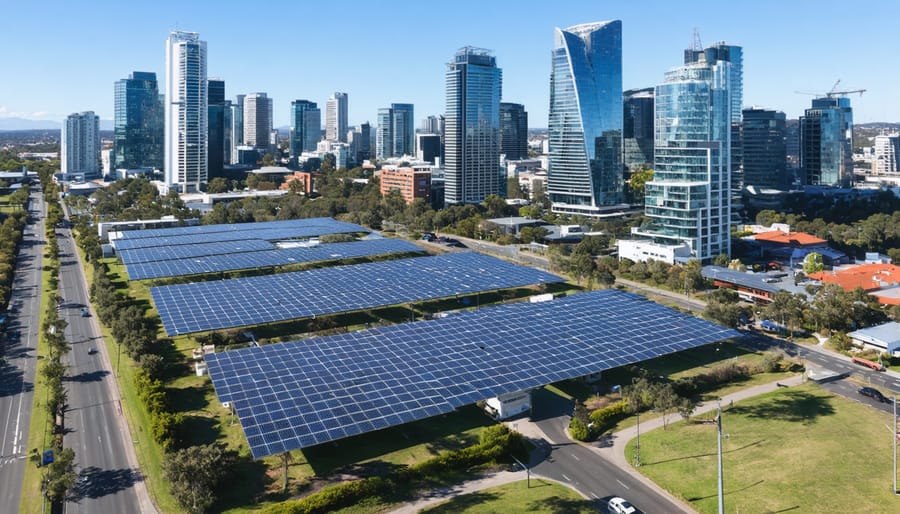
[719, 439]
[637, 442]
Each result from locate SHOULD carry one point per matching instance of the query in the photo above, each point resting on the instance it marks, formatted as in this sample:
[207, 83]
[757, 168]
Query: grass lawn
[543, 497]
[800, 449]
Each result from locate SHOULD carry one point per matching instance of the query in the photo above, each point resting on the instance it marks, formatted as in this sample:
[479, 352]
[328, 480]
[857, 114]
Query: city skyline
[794, 45]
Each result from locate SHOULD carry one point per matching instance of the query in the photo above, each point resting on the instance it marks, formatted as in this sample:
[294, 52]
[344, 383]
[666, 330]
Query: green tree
[664, 400]
[686, 408]
[637, 184]
[196, 474]
[722, 307]
[60, 475]
[217, 185]
[813, 263]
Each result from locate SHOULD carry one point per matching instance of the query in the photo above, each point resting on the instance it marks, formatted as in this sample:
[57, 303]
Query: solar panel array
[303, 393]
[257, 259]
[167, 253]
[198, 307]
[269, 231]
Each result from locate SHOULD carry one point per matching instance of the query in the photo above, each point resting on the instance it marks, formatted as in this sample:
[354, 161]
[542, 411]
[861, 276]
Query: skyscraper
[364, 149]
[887, 153]
[216, 122]
[513, 131]
[186, 111]
[689, 199]
[826, 142]
[472, 128]
[431, 125]
[637, 129]
[585, 170]
[139, 130]
[237, 126]
[336, 118]
[306, 127]
[80, 144]
[765, 153]
[395, 133]
[257, 120]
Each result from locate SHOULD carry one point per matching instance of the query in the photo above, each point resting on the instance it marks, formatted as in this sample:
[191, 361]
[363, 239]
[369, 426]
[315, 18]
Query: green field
[542, 497]
[800, 449]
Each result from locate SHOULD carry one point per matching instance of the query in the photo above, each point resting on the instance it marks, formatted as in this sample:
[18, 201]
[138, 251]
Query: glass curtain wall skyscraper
[395, 132]
[472, 127]
[637, 130]
[826, 142]
[139, 129]
[513, 131]
[585, 169]
[336, 118]
[765, 153]
[689, 199]
[186, 112]
[306, 127]
[217, 128]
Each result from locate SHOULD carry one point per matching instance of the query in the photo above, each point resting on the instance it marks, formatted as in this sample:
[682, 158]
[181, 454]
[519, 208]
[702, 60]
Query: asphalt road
[94, 423]
[17, 369]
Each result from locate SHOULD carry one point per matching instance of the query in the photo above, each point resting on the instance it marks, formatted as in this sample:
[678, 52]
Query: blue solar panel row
[268, 234]
[299, 394]
[224, 227]
[166, 253]
[187, 308]
[281, 257]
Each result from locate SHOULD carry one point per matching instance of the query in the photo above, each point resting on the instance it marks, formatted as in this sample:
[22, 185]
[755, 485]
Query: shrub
[608, 416]
[578, 430]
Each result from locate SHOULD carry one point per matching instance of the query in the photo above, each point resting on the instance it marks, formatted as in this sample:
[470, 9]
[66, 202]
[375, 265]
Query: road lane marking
[594, 496]
[622, 484]
[567, 478]
[574, 456]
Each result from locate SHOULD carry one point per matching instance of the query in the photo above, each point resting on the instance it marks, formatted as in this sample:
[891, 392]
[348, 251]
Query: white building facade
[186, 116]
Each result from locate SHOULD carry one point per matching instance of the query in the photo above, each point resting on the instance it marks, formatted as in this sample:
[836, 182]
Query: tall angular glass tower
[826, 142]
[306, 127]
[689, 201]
[186, 111]
[585, 171]
[138, 130]
[472, 129]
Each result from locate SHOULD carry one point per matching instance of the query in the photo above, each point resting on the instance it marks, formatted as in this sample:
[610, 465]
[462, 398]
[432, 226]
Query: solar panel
[226, 227]
[166, 253]
[198, 307]
[299, 394]
[207, 263]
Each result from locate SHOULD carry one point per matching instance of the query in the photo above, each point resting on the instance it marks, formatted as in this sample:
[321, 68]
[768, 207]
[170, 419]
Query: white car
[618, 505]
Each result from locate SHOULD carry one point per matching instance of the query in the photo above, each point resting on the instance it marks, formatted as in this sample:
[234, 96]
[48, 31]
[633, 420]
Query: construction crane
[831, 93]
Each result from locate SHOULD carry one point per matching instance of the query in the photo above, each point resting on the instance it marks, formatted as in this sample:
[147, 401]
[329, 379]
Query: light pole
[720, 478]
[637, 442]
[527, 472]
[894, 436]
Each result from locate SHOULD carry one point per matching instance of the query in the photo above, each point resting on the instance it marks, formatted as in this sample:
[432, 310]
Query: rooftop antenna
[696, 44]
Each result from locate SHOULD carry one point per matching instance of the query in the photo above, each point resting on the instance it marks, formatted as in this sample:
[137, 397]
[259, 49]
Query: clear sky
[63, 56]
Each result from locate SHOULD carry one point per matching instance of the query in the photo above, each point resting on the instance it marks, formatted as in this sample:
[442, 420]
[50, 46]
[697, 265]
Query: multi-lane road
[18, 367]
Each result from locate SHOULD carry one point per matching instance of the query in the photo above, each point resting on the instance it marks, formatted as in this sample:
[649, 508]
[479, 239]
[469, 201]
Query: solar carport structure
[303, 393]
[221, 304]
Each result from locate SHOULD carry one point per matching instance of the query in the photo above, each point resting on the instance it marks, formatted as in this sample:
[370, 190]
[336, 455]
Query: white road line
[574, 456]
[594, 496]
[621, 484]
[567, 478]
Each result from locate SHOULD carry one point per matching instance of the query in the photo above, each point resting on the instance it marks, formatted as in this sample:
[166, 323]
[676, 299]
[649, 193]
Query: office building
[412, 183]
[472, 127]
[826, 142]
[428, 147]
[336, 118]
[216, 126]
[186, 112]
[763, 137]
[887, 151]
[637, 129]
[395, 133]
[585, 163]
[138, 123]
[80, 145]
[733, 54]
[237, 126]
[513, 131]
[257, 121]
[306, 127]
[431, 125]
[688, 202]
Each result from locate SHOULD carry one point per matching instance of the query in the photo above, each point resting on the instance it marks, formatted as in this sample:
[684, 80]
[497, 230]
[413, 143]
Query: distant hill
[25, 124]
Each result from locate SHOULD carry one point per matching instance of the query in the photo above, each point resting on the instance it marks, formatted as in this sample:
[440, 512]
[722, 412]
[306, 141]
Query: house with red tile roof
[880, 280]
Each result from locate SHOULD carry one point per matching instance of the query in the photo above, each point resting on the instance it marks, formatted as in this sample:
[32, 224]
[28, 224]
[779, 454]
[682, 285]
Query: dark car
[85, 313]
[873, 393]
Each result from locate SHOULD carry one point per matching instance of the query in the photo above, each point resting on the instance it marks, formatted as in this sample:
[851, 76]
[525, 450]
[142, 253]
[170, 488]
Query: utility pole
[527, 471]
[721, 481]
[894, 436]
[637, 443]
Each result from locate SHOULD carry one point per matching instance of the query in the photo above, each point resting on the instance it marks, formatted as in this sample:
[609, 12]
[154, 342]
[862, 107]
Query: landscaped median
[797, 449]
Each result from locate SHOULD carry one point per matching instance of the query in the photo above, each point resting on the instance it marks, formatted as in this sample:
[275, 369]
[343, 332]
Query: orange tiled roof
[801, 238]
[870, 277]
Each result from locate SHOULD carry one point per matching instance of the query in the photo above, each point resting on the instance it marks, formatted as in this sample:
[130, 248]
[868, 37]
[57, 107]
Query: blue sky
[64, 56]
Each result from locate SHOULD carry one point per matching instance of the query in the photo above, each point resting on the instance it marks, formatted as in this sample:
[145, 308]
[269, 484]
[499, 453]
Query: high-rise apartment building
[431, 125]
[637, 129]
[257, 121]
[138, 123]
[472, 127]
[887, 153]
[395, 133]
[306, 127]
[217, 129]
[80, 144]
[186, 112]
[826, 142]
[513, 131]
[336, 118]
[688, 202]
[585, 169]
[763, 138]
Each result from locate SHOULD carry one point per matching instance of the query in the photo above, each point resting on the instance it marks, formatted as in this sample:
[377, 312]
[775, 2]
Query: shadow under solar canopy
[303, 393]
[221, 304]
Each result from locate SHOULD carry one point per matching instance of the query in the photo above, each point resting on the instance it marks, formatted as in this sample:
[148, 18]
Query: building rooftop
[885, 336]
[789, 238]
[870, 277]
